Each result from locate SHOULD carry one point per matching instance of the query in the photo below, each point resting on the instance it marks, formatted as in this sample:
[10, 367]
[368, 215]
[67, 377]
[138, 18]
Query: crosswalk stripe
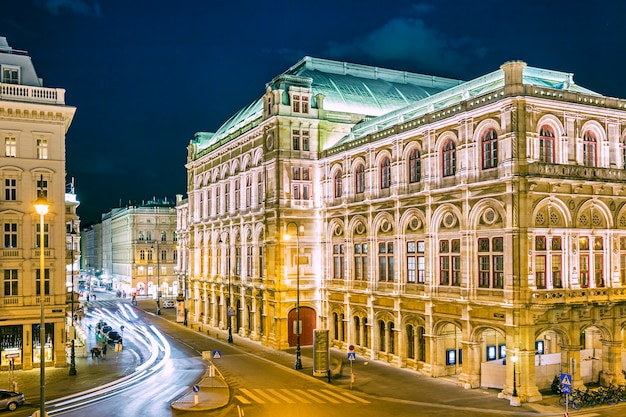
[251, 395]
[336, 395]
[282, 397]
[266, 395]
[326, 397]
[293, 395]
[243, 399]
[304, 393]
[354, 397]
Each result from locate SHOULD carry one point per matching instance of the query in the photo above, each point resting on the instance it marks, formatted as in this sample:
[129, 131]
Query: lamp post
[298, 326]
[72, 349]
[515, 400]
[42, 207]
[158, 292]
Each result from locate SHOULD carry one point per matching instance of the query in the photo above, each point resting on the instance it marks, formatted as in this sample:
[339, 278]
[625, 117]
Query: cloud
[413, 43]
[75, 7]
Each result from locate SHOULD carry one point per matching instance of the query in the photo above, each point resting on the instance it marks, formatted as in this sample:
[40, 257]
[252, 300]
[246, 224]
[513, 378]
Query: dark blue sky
[145, 75]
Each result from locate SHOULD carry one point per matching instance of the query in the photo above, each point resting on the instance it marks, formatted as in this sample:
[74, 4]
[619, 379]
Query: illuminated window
[300, 103]
[10, 75]
[591, 260]
[10, 147]
[546, 145]
[42, 149]
[490, 149]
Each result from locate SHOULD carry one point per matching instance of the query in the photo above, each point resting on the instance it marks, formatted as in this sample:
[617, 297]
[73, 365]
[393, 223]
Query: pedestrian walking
[104, 351]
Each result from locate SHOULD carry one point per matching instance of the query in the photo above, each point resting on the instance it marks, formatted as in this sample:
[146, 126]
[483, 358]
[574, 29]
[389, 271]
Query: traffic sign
[196, 388]
[565, 389]
[231, 312]
[351, 356]
[217, 354]
[351, 348]
[11, 355]
[566, 379]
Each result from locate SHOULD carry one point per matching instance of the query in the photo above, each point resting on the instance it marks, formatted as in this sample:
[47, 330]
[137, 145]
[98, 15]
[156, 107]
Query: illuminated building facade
[444, 225]
[33, 122]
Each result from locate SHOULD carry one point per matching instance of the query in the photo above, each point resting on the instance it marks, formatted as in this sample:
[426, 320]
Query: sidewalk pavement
[374, 379]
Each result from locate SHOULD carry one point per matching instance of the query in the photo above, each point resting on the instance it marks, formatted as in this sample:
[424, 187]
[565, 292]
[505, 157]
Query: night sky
[145, 75]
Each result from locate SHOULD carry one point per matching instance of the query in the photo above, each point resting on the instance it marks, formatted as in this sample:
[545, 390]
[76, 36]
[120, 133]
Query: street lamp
[158, 292]
[73, 329]
[514, 360]
[42, 207]
[298, 326]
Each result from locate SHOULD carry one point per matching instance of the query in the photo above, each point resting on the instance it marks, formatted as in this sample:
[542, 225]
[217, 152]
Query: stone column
[570, 364]
[611, 363]
[470, 377]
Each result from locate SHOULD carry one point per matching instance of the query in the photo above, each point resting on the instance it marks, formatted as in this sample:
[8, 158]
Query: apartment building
[34, 120]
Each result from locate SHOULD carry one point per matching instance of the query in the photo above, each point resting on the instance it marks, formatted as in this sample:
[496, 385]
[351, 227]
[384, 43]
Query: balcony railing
[582, 295]
[17, 92]
[576, 172]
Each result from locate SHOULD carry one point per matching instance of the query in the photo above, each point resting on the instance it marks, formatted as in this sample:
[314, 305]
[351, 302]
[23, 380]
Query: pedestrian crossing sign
[351, 356]
[217, 354]
[566, 379]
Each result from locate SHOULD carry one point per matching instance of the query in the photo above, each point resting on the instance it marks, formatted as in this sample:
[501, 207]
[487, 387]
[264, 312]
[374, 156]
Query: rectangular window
[261, 262]
[10, 147]
[10, 75]
[540, 271]
[556, 272]
[360, 261]
[300, 139]
[42, 188]
[45, 235]
[338, 261]
[296, 173]
[238, 261]
[42, 149]
[295, 137]
[598, 269]
[415, 261]
[10, 235]
[385, 261]
[226, 197]
[46, 281]
[249, 260]
[10, 282]
[305, 140]
[498, 271]
[259, 185]
[450, 262]
[10, 189]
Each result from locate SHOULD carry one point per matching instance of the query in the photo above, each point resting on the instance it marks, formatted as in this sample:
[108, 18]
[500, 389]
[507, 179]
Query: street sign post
[566, 383]
[351, 358]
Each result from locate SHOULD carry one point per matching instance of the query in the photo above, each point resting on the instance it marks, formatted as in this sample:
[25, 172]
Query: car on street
[10, 400]
[114, 337]
[168, 304]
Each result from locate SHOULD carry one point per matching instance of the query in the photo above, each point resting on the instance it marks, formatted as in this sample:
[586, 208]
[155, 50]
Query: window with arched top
[449, 159]
[546, 145]
[385, 173]
[490, 149]
[359, 179]
[415, 166]
[337, 184]
[589, 149]
[624, 153]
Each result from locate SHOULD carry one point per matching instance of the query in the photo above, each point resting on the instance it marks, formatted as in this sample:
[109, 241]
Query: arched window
[359, 179]
[415, 166]
[385, 173]
[589, 149]
[490, 149]
[338, 190]
[546, 145]
[449, 159]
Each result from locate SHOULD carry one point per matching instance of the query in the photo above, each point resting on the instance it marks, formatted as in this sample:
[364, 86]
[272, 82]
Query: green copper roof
[346, 88]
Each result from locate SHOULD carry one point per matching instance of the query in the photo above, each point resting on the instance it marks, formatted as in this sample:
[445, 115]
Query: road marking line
[298, 399]
[265, 395]
[252, 396]
[354, 397]
[304, 393]
[282, 397]
[337, 395]
[243, 399]
[326, 397]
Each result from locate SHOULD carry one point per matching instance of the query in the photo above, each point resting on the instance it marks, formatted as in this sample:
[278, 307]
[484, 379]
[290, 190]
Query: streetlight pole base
[72, 371]
[298, 364]
[230, 335]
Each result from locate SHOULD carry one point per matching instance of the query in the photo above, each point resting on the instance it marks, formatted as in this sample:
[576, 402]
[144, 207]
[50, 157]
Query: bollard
[195, 398]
